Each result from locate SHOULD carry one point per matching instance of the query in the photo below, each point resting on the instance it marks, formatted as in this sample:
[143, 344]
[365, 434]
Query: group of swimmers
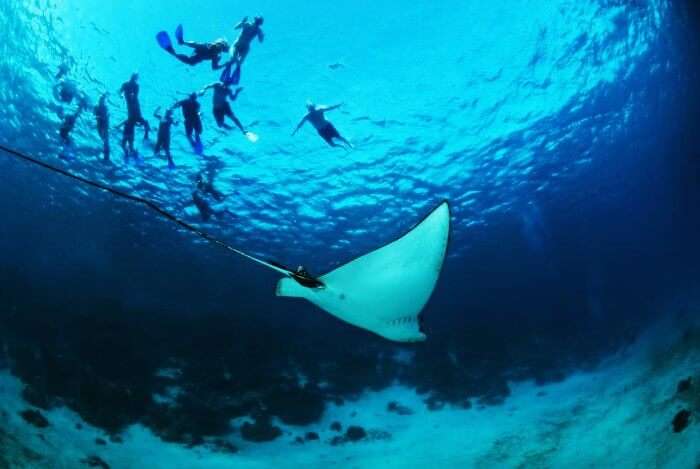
[222, 92]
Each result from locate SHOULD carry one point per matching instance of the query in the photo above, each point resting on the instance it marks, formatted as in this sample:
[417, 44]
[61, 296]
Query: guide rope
[148, 203]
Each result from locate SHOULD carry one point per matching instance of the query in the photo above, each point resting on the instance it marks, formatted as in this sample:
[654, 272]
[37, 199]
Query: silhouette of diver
[68, 125]
[206, 186]
[127, 142]
[204, 207]
[193, 121]
[66, 90]
[102, 122]
[316, 117]
[241, 47]
[130, 91]
[163, 143]
[202, 52]
[220, 105]
[249, 31]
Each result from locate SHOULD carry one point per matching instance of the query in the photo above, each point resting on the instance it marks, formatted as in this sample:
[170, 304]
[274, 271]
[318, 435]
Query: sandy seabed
[618, 415]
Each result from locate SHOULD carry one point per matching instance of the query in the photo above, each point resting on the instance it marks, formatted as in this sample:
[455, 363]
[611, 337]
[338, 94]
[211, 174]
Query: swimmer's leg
[235, 120]
[219, 115]
[146, 127]
[166, 147]
[345, 141]
[329, 140]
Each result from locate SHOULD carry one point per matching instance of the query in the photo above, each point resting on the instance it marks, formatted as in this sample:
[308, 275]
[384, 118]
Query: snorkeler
[130, 91]
[205, 209]
[68, 125]
[66, 90]
[316, 117]
[221, 106]
[163, 143]
[102, 122]
[241, 47]
[127, 142]
[203, 51]
[249, 31]
[206, 185]
[193, 121]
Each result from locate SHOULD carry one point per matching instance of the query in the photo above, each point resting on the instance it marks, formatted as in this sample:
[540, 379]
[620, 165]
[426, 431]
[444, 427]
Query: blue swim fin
[236, 77]
[164, 42]
[179, 34]
[228, 78]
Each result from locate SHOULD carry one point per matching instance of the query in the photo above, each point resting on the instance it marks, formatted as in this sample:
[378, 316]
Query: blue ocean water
[561, 133]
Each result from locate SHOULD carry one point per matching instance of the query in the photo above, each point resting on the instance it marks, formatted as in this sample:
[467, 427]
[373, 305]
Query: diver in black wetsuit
[127, 142]
[102, 122]
[202, 52]
[68, 125]
[205, 209]
[193, 122]
[130, 91]
[206, 185]
[163, 142]
[66, 90]
[221, 106]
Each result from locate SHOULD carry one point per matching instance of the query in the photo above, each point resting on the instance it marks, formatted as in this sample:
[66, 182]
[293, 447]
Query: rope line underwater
[300, 277]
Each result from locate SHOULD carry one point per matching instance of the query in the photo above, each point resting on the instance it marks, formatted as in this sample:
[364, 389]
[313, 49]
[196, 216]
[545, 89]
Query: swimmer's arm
[241, 23]
[330, 108]
[215, 65]
[306, 117]
[204, 90]
[156, 113]
[233, 96]
[261, 35]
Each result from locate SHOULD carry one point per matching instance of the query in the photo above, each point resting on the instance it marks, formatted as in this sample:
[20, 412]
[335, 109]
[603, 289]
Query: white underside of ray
[385, 290]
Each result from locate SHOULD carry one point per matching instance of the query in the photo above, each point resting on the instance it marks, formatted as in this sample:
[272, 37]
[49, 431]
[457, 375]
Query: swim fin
[179, 34]
[198, 148]
[236, 77]
[228, 78]
[164, 42]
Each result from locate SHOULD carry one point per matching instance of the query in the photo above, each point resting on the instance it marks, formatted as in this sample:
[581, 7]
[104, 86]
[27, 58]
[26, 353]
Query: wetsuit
[102, 121]
[130, 90]
[222, 107]
[205, 210]
[68, 125]
[202, 53]
[163, 142]
[65, 91]
[241, 47]
[128, 137]
[193, 122]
